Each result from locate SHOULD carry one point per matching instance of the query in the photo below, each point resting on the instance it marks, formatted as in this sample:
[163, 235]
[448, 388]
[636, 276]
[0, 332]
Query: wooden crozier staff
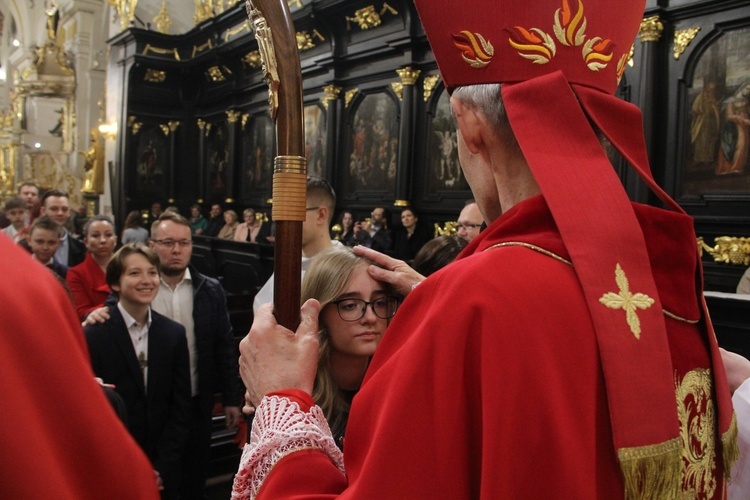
[277, 45]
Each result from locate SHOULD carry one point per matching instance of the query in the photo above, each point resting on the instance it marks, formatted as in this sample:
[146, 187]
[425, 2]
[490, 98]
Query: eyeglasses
[171, 243]
[355, 309]
[467, 226]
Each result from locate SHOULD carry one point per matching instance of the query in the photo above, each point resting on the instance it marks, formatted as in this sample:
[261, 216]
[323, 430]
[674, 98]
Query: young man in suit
[44, 238]
[145, 356]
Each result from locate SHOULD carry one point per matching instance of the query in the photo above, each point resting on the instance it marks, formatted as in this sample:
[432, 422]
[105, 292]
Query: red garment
[60, 436]
[88, 286]
[488, 382]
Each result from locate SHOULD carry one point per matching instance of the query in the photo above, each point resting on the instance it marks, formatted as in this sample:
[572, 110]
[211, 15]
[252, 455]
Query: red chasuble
[60, 437]
[488, 382]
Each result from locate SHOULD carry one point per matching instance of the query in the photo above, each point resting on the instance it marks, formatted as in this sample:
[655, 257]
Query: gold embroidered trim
[730, 448]
[679, 318]
[530, 247]
[627, 301]
[651, 471]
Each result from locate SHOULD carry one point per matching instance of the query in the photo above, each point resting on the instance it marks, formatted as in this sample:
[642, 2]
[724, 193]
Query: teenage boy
[145, 356]
[16, 212]
[43, 239]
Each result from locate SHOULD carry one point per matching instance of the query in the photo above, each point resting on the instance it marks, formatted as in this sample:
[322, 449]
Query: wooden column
[331, 102]
[409, 78]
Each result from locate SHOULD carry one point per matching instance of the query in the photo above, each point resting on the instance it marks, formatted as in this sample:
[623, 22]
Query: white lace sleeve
[280, 427]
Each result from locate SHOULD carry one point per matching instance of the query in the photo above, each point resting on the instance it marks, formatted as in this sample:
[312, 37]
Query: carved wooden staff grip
[277, 44]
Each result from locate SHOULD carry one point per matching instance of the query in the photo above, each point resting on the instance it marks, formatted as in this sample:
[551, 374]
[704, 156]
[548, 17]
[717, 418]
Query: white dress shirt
[139, 337]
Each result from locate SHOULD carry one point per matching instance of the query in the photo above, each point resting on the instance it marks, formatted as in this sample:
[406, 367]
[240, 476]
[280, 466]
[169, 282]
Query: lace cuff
[280, 427]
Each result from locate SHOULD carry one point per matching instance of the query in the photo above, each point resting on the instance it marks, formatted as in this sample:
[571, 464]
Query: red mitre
[560, 61]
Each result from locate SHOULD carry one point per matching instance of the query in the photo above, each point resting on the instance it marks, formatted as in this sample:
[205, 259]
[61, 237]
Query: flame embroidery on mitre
[475, 50]
[569, 28]
[533, 44]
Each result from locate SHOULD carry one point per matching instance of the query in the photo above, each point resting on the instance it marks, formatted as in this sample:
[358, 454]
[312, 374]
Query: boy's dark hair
[54, 192]
[116, 265]
[15, 203]
[46, 222]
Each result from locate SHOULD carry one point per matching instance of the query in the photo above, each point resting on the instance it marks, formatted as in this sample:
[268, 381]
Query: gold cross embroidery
[627, 300]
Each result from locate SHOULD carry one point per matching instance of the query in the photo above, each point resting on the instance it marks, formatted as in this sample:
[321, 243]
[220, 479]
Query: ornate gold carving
[208, 128]
[695, 409]
[164, 129]
[728, 249]
[197, 49]
[304, 40]
[651, 29]
[398, 89]
[204, 9]
[401, 203]
[332, 93]
[164, 52]
[232, 115]
[336, 229]
[125, 11]
[429, 83]
[173, 125]
[155, 76]
[448, 229]
[162, 19]
[131, 120]
[136, 127]
[245, 117]
[217, 74]
[349, 96]
[200, 123]
[682, 39]
[268, 57]
[408, 75]
[229, 33]
[93, 179]
[628, 301]
[368, 17]
[253, 59]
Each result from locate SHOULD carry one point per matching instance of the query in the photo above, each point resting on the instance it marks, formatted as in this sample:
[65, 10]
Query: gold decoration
[93, 179]
[651, 29]
[349, 96]
[366, 17]
[136, 127]
[727, 249]
[268, 57]
[217, 74]
[336, 229]
[173, 125]
[398, 89]
[200, 123]
[164, 129]
[429, 85]
[294, 3]
[409, 76]
[695, 409]
[197, 49]
[253, 59]
[332, 93]
[155, 76]
[304, 41]
[651, 471]
[245, 117]
[448, 229]
[232, 116]
[628, 301]
[162, 20]
[163, 52]
[204, 9]
[401, 203]
[682, 39]
[245, 26]
[125, 11]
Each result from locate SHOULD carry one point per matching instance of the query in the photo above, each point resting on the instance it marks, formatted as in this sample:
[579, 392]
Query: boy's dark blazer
[158, 415]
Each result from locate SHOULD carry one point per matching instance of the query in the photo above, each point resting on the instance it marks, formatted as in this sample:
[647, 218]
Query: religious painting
[217, 160]
[718, 118]
[442, 168]
[258, 151]
[152, 162]
[373, 154]
[315, 140]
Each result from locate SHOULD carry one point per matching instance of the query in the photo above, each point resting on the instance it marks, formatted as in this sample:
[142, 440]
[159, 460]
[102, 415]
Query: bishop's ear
[469, 125]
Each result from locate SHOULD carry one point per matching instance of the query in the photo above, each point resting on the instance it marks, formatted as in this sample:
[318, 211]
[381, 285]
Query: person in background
[231, 222]
[375, 234]
[29, 192]
[408, 239]
[133, 232]
[744, 284]
[44, 238]
[346, 222]
[86, 454]
[216, 222]
[154, 213]
[354, 313]
[15, 211]
[144, 355]
[438, 253]
[173, 209]
[469, 221]
[87, 282]
[252, 230]
[198, 223]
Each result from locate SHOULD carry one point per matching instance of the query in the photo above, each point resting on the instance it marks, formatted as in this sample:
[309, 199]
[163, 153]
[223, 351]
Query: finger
[309, 318]
[376, 257]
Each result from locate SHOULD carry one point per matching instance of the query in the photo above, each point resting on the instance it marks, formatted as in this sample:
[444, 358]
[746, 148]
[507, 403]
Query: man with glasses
[316, 235]
[376, 234]
[199, 304]
[469, 221]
